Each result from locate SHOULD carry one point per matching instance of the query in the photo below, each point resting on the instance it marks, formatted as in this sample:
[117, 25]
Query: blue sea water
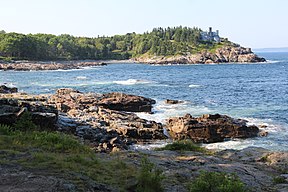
[256, 92]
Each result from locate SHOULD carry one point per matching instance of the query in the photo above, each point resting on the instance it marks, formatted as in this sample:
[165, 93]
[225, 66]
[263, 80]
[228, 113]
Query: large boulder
[124, 102]
[209, 128]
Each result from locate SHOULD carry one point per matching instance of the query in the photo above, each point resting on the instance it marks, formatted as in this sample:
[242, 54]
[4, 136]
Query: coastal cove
[256, 92]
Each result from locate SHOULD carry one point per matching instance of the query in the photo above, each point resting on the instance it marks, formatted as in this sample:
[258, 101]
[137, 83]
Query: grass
[183, 145]
[63, 155]
[149, 177]
[217, 182]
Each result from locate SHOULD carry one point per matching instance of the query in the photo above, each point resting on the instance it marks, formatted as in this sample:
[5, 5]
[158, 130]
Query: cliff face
[227, 54]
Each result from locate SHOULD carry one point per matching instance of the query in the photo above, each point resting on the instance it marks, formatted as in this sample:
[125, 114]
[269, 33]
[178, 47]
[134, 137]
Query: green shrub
[24, 123]
[217, 182]
[149, 178]
[279, 180]
[183, 145]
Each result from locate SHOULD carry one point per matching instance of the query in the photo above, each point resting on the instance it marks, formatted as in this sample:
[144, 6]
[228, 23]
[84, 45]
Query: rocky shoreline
[226, 54]
[107, 123]
[50, 65]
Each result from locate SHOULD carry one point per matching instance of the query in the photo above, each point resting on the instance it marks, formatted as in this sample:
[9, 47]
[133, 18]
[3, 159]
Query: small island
[172, 45]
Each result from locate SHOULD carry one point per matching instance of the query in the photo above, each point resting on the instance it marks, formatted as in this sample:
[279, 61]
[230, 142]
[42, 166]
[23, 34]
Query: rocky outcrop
[67, 99]
[109, 111]
[226, 54]
[209, 128]
[108, 123]
[5, 89]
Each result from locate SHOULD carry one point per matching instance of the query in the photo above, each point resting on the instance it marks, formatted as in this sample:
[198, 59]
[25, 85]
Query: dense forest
[160, 41]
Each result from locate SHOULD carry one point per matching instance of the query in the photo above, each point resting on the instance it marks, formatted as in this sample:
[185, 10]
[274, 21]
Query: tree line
[160, 41]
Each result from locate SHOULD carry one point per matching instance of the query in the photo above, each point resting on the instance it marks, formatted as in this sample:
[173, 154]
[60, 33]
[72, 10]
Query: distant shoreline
[25, 65]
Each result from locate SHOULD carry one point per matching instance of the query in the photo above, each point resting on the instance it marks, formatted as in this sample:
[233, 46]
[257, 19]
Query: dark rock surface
[171, 101]
[5, 89]
[11, 109]
[124, 102]
[209, 128]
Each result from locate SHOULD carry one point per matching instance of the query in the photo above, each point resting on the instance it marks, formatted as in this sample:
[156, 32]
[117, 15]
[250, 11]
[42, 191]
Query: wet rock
[4, 89]
[209, 128]
[170, 101]
[263, 133]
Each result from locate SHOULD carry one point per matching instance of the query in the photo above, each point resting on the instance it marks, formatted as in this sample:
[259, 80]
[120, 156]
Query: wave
[11, 85]
[81, 77]
[194, 86]
[272, 61]
[132, 82]
[150, 146]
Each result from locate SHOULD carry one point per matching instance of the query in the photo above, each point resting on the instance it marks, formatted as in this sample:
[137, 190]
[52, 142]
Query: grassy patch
[217, 182]
[53, 153]
[183, 145]
[149, 177]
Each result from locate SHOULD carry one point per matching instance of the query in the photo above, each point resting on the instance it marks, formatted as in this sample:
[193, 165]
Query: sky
[250, 23]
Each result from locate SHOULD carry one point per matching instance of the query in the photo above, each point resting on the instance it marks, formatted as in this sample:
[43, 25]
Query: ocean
[256, 92]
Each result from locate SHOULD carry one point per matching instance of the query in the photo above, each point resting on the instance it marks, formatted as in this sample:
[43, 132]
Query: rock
[4, 89]
[46, 121]
[8, 118]
[263, 134]
[125, 102]
[209, 128]
[170, 101]
[226, 54]
[12, 108]
[131, 126]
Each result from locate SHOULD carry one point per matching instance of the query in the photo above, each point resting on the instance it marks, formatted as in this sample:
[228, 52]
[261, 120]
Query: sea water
[256, 92]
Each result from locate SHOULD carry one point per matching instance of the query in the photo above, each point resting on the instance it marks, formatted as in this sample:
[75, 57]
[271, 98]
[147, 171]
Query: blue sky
[251, 23]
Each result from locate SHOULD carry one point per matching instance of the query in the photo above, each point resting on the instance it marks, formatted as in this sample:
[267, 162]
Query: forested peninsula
[160, 46]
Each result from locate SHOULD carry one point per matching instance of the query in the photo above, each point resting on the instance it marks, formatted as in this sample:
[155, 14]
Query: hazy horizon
[256, 24]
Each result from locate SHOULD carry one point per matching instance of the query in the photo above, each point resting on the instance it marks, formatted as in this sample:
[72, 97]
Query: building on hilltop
[210, 35]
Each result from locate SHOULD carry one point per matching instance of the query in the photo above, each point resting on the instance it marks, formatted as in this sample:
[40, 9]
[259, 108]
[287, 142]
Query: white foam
[272, 141]
[194, 86]
[271, 61]
[11, 85]
[163, 111]
[81, 77]
[151, 146]
[132, 82]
